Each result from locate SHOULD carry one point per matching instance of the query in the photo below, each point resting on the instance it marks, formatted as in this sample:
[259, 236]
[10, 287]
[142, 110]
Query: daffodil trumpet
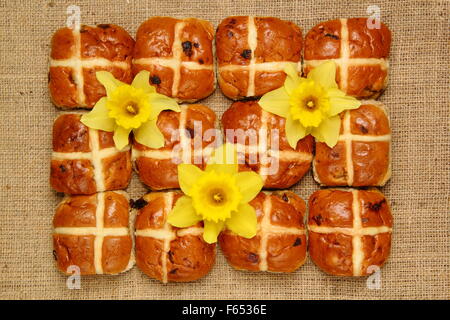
[310, 105]
[128, 108]
[219, 196]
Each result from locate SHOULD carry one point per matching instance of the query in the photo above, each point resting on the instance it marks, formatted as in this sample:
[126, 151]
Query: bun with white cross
[362, 156]
[252, 53]
[360, 49]
[349, 231]
[93, 233]
[179, 56]
[167, 253]
[280, 242]
[76, 55]
[186, 141]
[85, 160]
[262, 136]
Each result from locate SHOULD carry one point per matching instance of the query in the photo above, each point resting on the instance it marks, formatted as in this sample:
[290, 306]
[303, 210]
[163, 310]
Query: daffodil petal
[294, 132]
[183, 214]
[149, 135]
[160, 102]
[188, 174]
[211, 230]
[223, 159]
[276, 102]
[221, 168]
[98, 117]
[324, 74]
[340, 102]
[335, 93]
[120, 137]
[243, 222]
[328, 131]
[141, 81]
[292, 78]
[108, 81]
[249, 184]
[308, 131]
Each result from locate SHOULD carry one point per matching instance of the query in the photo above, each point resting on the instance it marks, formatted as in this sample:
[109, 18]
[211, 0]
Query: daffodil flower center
[132, 108]
[309, 103]
[129, 107]
[215, 196]
[218, 196]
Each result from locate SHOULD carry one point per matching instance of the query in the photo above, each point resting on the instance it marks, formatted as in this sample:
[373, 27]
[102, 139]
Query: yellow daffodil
[218, 196]
[129, 108]
[310, 105]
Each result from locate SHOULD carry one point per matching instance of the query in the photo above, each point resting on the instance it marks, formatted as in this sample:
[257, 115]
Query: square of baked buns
[77, 54]
[349, 231]
[178, 53]
[280, 242]
[85, 160]
[360, 51]
[279, 165]
[362, 156]
[167, 253]
[93, 233]
[184, 143]
[252, 53]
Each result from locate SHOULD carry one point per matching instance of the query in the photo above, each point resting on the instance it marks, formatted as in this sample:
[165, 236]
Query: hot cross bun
[362, 156]
[93, 233]
[179, 55]
[280, 243]
[267, 151]
[85, 160]
[167, 253]
[360, 51]
[76, 55]
[252, 53]
[349, 231]
[187, 140]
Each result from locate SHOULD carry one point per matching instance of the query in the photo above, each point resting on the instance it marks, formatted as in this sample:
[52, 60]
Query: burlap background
[418, 98]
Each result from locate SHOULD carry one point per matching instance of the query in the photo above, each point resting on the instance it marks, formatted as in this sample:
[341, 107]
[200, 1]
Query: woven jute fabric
[417, 97]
